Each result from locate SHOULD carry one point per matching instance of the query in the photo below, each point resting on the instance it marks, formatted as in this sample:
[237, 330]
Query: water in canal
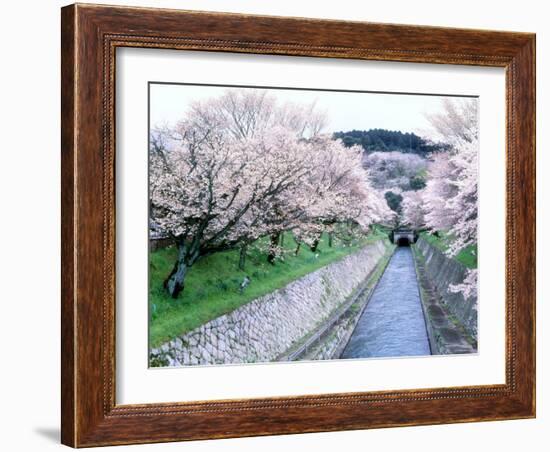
[392, 323]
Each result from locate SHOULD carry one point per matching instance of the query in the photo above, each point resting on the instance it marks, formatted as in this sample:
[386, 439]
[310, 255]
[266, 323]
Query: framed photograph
[281, 225]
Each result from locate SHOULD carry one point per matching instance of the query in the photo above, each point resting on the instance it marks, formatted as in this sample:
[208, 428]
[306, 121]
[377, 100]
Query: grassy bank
[212, 284]
[467, 256]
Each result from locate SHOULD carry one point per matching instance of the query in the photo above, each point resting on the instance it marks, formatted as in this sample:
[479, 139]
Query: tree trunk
[282, 241]
[297, 249]
[314, 245]
[242, 257]
[175, 282]
[273, 248]
[330, 239]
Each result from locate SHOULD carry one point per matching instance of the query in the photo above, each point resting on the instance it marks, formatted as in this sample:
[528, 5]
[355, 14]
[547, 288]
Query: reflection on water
[392, 323]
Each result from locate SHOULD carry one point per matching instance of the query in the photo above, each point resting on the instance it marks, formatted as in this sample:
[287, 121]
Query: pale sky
[346, 110]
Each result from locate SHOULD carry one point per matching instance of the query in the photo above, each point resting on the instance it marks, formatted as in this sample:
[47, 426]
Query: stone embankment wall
[264, 329]
[443, 272]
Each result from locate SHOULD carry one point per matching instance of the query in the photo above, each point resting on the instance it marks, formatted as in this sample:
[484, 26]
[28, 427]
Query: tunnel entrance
[403, 237]
[403, 241]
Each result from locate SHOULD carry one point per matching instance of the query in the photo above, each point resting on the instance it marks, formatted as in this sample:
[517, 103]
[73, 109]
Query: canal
[393, 323]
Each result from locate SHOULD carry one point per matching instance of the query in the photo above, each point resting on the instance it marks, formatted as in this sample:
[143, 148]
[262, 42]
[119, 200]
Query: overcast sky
[346, 110]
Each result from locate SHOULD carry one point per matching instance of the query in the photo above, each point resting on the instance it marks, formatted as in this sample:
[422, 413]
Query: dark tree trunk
[175, 282]
[330, 239]
[242, 257]
[297, 249]
[274, 243]
[314, 245]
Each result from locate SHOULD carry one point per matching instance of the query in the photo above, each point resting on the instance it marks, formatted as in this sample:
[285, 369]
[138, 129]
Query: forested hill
[381, 140]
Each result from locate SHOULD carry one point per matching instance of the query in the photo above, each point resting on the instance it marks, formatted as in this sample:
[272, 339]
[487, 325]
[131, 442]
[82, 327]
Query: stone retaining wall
[442, 272]
[265, 328]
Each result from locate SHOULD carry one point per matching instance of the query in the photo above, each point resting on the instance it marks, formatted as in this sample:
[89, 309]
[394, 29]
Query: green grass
[212, 284]
[467, 256]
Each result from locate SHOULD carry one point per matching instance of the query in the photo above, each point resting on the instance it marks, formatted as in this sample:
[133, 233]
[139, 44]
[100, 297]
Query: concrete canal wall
[443, 272]
[264, 329]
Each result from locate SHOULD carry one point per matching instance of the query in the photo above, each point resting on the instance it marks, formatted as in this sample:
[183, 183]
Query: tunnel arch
[403, 237]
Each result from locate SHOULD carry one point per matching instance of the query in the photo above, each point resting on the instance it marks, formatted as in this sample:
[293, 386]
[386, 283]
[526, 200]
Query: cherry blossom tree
[457, 120]
[413, 209]
[468, 287]
[451, 194]
[392, 170]
[249, 114]
[210, 192]
[345, 202]
[464, 203]
[240, 167]
[439, 189]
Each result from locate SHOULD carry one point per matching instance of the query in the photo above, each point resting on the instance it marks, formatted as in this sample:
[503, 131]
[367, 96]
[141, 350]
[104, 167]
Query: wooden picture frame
[90, 36]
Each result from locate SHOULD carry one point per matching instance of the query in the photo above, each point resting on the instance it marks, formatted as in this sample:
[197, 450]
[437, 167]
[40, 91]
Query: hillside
[381, 140]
